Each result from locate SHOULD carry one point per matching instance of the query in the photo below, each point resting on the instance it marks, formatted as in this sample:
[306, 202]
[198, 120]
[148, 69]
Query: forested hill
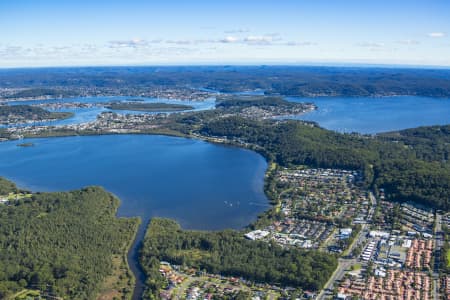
[428, 143]
[11, 114]
[41, 92]
[62, 242]
[409, 166]
[305, 81]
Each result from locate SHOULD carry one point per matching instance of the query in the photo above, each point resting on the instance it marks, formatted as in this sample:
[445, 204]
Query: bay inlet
[201, 185]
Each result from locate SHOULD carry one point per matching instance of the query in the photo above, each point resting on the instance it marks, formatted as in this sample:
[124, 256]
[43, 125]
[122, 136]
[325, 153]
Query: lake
[374, 115]
[201, 185]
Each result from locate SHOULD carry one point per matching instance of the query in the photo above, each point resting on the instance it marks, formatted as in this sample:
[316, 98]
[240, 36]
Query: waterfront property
[317, 207]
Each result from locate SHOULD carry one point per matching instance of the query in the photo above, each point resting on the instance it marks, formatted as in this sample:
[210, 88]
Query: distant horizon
[243, 64]
[175, 32]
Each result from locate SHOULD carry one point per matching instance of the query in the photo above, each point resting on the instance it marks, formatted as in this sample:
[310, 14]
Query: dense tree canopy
[19, 113]
[285, 80]
[61, 240]
[428, 143]
[229, 253]
[7, 187]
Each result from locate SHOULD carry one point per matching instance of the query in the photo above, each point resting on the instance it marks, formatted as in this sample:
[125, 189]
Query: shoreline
[130, 246]
[64, 116]
[132, 254]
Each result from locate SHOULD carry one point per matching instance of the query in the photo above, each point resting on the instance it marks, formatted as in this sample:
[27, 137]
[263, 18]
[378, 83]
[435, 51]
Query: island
[148, 107]
[262, 107]
[25, 145]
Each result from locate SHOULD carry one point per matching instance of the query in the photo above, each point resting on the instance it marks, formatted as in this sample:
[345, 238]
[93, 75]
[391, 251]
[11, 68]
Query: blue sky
[133, 32]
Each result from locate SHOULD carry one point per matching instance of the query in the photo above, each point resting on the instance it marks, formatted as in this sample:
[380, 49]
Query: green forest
[303, 81]
[27, 112]
[61, 242]
[227, 101]
[7, 187]
[411, 165]
[229, 253]
[41, 92]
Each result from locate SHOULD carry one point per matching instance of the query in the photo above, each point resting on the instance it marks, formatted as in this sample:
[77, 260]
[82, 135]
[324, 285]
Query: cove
[199, 184]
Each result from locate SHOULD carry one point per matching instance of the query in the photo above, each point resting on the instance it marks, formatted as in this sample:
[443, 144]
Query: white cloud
[269, 39]
[238, 30]
[180, 42]
[259, 40]
[190, 41]
[408, 42]
[292, 43]
[274, 35]
[371, 45]
[436, 34]
[229, 39]
[266, 39]
[134, 43]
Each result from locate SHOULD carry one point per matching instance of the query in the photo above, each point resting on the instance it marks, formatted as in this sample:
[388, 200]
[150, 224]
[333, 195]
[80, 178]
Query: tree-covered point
[150, 107]
[409, 169]
[19, 113]
[62, 242]
[7, 187]
[229, 253]
[256, 101]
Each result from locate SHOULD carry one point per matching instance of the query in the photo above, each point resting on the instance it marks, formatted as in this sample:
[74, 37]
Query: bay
[201, 185]
[370, 115]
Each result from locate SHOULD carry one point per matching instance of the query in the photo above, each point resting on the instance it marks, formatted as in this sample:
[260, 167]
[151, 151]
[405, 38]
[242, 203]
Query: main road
[344, 263]
[439, 241]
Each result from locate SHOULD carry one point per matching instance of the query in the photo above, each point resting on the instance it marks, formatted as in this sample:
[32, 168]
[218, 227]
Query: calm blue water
[363, 114]
[374, 115]
[201, 185]
[83, 115]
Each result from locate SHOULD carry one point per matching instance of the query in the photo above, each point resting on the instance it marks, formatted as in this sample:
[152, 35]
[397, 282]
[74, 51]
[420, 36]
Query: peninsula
[14, 114]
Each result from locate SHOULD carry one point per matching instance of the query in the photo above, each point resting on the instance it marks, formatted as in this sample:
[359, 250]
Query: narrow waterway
[133, 262]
